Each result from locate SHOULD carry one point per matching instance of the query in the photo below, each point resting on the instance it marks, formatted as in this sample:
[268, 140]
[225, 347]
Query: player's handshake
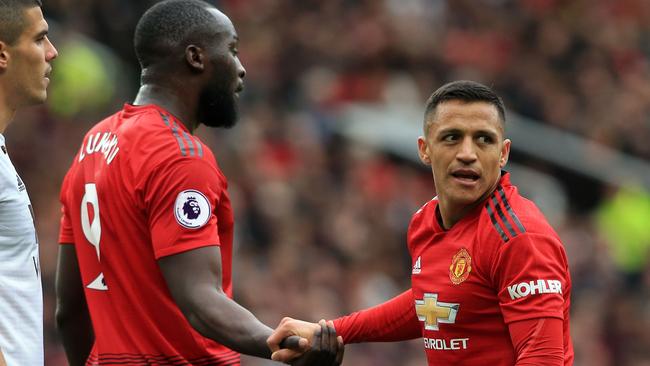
[325, 347]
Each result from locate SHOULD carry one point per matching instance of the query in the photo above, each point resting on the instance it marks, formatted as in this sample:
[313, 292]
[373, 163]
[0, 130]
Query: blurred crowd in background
[320, 219]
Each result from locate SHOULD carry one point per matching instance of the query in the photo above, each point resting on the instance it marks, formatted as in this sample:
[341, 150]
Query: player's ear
[4, 56]
[423, 151]
[195, 58]
[505, 153]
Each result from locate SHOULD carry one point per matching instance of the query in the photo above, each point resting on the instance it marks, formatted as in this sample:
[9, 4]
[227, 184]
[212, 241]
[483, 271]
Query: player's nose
[466, 150]
[52, 52]
[241, 71]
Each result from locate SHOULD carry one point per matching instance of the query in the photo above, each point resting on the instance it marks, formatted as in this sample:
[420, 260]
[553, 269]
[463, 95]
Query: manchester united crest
[461, 266]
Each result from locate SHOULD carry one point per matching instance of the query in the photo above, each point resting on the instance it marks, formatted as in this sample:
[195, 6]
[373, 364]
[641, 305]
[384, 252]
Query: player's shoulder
[420, 226]
[174, 133]
[507, 215]
[425, 212]
[142, 139]
[154, 134]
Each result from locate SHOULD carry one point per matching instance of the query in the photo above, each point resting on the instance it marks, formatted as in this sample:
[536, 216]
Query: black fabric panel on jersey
[502, 216]
[496, 224]
[181, 145]
[509, 210]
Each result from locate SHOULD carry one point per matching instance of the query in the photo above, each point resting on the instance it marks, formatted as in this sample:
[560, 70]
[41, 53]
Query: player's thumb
[285, 355]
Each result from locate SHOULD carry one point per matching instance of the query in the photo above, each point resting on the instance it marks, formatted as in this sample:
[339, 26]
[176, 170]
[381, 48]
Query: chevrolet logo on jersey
[433, 312]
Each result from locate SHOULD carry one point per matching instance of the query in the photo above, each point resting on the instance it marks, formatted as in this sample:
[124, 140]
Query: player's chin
[38, 97]
[465, 195]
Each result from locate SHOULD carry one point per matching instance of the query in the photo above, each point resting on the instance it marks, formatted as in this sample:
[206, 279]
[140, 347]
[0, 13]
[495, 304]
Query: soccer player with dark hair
[490, 281]
[144, 272]
[25, 65]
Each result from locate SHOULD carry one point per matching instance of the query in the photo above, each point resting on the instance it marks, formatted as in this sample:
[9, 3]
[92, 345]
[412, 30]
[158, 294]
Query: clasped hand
[301, 343]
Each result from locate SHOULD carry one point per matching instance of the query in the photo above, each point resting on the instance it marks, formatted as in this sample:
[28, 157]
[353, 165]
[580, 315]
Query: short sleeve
[531, 274]
[66, 235]
[180, 199]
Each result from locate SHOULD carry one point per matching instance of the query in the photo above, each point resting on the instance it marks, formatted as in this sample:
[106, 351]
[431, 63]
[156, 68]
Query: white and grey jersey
[21, 298]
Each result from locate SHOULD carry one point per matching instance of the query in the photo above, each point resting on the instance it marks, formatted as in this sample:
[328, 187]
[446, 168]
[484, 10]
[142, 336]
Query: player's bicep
[532, 278]
[190, 274]
[181, 199]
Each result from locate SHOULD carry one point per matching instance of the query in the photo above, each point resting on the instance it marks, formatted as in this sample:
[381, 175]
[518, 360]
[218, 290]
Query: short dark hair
[12, 18]
[169, 26]
[466, 91]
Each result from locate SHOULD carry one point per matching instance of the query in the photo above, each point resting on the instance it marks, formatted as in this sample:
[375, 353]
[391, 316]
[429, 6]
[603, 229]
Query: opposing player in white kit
[25, 56]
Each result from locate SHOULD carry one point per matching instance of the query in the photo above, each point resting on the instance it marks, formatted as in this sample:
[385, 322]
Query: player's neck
[7, 114]
[169, 99]
[452, 212]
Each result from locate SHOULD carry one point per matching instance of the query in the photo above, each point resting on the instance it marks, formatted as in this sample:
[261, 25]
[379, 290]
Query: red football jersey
[141, 188]
[500, 264]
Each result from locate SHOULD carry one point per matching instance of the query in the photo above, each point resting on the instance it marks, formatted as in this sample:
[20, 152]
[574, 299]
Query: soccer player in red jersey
[144, 271]
[490, 279]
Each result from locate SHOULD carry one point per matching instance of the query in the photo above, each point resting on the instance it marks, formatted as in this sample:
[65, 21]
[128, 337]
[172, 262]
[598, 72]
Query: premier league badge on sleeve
[192, 209]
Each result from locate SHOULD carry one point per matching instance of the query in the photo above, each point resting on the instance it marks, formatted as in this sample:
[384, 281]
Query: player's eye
[40, 38]
[450, 137]
[485, 139]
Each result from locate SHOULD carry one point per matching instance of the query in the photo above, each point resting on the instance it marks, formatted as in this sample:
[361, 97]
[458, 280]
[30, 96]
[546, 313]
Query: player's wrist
[260, 342]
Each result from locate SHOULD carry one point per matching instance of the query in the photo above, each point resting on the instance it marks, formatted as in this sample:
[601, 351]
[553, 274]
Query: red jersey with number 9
[142, 188]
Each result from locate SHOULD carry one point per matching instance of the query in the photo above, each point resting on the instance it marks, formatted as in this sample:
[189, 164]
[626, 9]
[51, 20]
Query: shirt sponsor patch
[445, 344]
[192, 209]
[433, 312]
[537, 287]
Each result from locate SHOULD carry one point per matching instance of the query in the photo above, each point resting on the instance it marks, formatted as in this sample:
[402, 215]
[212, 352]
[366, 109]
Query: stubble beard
[219, 108]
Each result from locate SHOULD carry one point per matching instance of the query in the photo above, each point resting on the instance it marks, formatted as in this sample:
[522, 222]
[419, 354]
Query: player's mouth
[466, 176]
[47, 75]
[239, 89]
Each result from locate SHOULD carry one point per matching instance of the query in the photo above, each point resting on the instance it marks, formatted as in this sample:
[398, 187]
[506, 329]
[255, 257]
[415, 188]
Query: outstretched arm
[72, 317]
[392, 321]
[395, 320]
[194, 280]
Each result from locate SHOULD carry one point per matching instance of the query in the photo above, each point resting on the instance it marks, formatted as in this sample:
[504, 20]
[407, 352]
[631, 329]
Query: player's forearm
[394, 320]
[77, 335]
[218, 317]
